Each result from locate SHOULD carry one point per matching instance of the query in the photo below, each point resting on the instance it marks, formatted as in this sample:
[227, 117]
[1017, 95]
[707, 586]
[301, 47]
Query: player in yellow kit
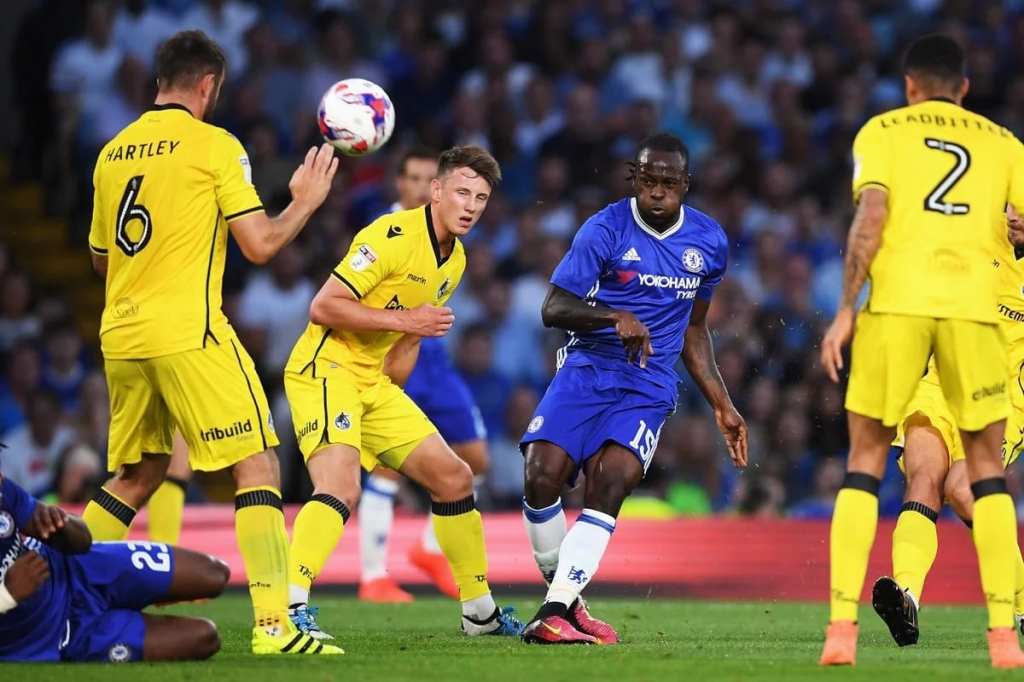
[931, 181]
[168, 189]
[386, 295]
[936, 470]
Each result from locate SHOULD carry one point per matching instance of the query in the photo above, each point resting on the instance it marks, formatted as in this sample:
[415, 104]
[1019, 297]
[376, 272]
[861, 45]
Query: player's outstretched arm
[861, 247]
[335, 306]
[401, 359]
[261, 237]
[699, 358]
[64, 532]
[564, 310]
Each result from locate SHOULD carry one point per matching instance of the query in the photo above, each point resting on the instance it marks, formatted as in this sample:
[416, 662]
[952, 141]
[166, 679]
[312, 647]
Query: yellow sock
[317, 530]
[915, 542]
[166, 507]
[1018, 601]
[995, 535]
[108, 517]
[460, 532]
[854, 523]
[263, 542]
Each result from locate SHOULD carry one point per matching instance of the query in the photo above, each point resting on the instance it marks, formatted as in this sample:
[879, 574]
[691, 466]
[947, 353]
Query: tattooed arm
[699, 358]
[862, 245]
[863, 242]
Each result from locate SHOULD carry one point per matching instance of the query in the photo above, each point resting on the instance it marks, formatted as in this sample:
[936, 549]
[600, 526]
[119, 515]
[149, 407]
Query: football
[356, 117]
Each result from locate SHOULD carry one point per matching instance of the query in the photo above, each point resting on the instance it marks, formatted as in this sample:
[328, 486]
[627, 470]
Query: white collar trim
[650, 230]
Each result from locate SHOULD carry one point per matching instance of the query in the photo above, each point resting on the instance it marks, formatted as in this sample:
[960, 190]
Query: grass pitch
[663, 640]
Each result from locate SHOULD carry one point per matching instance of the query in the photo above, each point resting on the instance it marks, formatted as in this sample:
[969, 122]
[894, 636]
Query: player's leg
[973, 364]
[376, 515]
[961, 499]
[123, 579]
[216, 400]
[138, 452]
[405, 440]
[167, 505]
[429, 461]
[888, 355]
[915, 540]
[560, 425]
[335, 473]
[452, 411]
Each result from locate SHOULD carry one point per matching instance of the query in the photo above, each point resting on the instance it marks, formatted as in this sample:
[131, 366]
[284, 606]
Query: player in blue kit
[633, 294]
[444, 397]
[63, 598]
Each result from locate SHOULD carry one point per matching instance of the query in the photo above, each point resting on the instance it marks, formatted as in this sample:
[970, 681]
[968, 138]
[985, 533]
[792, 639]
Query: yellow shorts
[330, 406]
[212, 395]
[930, 403]
[890, 353]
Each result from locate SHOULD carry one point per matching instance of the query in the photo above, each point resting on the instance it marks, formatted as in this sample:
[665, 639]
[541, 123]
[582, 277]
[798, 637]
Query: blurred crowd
[767, 94]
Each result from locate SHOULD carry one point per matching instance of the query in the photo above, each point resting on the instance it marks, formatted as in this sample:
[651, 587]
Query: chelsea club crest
[6, 525]
[692, 260]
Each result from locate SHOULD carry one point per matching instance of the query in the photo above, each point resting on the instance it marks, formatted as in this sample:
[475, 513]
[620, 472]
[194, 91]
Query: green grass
[662, 640]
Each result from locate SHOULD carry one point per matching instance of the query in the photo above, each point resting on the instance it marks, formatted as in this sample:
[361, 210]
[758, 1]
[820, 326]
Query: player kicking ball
[935, 467]
[444, 397]
[387, 294]
[640, 274]
[63, 598]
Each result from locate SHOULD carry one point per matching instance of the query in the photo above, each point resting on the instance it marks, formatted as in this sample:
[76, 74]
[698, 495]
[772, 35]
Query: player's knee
[215, 577]
[961, 499]
[543, 482]
[260, 470]
[206, 642]
[136, 484]
[453, 482]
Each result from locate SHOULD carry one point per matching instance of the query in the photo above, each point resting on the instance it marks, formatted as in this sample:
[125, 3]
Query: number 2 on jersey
[129, 210]
[936, 201]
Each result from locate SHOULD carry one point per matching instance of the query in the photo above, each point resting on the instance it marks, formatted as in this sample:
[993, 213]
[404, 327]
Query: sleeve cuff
[351, 287]
[859, 189]
[97, 250]
[239, 214]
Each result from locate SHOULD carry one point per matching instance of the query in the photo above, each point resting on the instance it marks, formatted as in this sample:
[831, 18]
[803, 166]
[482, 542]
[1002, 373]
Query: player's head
[661, 179]
[935, 65]
[466, 176]
[415, 171]
[191, 64]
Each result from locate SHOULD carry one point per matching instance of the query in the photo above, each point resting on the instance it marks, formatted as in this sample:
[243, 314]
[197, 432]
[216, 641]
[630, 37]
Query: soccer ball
[356, 117]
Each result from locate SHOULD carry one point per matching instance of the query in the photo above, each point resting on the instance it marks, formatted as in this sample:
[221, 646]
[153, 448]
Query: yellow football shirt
[1009, 265]
[949, 173]
[165, 189]
[394, 263]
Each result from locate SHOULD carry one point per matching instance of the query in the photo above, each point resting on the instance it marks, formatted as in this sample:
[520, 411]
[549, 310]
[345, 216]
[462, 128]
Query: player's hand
[429, 320]
[26, 575]
[46, 520]
[635, 337]
[837, 336]
[732, 426]
[311, 182]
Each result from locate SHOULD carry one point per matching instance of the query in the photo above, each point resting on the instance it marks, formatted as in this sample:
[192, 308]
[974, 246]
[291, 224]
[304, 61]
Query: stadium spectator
[17, 320]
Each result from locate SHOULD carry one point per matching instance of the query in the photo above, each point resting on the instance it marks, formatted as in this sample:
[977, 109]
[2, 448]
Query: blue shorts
[446, 400]
[110, 585]
[586, 407]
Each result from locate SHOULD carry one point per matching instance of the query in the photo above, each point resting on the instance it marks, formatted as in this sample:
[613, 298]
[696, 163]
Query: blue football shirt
[37, 627]
[619, 262]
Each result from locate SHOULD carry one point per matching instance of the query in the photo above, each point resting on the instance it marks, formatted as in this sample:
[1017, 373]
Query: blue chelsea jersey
[619, 262]
[37, 627]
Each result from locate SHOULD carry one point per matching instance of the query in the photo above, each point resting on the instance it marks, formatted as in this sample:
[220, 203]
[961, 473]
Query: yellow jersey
[949, 173]
[166, 188]
[1009, 264]
[394, 263]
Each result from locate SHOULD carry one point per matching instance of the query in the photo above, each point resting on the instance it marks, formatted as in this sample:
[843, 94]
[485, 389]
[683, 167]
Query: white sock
[297, 596]
[376, 513]
[479, 608]
[546, 529]
[581, 553]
